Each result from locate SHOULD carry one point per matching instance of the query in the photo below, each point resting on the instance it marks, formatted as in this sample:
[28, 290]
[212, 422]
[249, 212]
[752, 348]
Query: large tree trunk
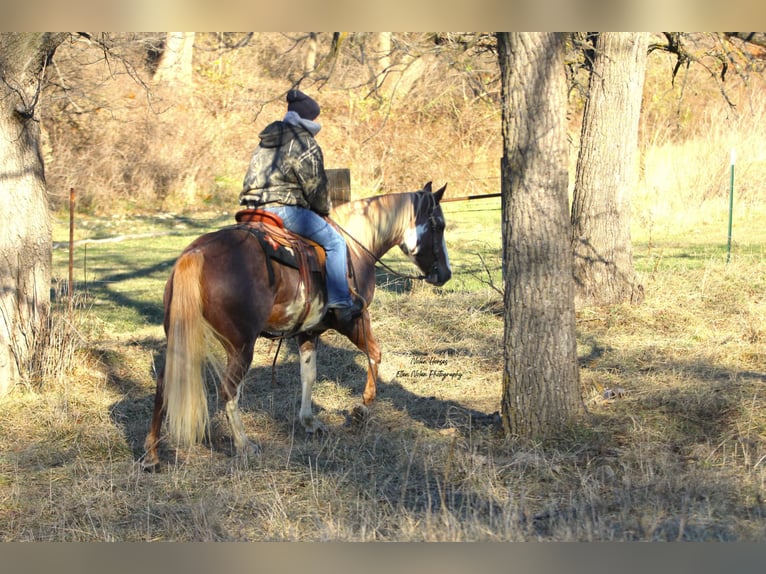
[383, 53]
[25, 230]
[607, 172]
[310, 63]
[541, 387]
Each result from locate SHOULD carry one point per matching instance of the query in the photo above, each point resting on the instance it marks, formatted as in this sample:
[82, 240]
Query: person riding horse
[286, 176]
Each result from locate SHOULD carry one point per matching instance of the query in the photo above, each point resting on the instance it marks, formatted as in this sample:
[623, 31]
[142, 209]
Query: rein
[375, 257]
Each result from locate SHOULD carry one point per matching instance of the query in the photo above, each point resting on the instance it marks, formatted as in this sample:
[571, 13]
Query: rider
[286, 176]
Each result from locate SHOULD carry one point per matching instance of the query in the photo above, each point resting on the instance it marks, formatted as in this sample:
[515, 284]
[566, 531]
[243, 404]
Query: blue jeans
[308, 224]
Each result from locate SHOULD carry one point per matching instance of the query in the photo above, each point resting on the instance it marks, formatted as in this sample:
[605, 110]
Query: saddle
[282, 245]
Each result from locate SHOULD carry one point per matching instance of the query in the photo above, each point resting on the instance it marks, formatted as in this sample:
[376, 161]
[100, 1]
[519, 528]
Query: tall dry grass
[687, 135]
[679, 454]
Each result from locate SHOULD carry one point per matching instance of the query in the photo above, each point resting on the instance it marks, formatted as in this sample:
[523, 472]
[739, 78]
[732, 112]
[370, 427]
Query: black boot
[344, 315]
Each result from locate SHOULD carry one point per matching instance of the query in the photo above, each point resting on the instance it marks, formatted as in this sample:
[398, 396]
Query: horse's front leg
[307, 349]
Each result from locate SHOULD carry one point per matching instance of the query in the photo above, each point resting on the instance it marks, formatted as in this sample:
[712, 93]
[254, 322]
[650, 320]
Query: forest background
[128, 136]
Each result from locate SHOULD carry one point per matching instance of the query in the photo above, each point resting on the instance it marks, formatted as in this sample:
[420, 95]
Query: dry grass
[679, 455]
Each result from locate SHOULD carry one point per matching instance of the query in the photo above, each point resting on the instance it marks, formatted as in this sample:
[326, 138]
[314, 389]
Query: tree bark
[383, 53]
[175, 63]
[607, 172]
[310, 62]
[541, 387]
[25, 232]
[396, 78]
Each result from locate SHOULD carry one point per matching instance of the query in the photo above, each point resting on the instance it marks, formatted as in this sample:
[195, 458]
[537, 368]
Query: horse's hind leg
[231, 387]
[307, 348]
[151, 457]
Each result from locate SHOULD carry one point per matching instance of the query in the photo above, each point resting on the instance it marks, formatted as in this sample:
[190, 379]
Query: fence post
[731, 203]
[339, 185]
[71, 246]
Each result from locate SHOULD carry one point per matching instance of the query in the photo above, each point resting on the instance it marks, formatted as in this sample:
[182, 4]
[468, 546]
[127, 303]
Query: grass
[679, 454]
[121, 278]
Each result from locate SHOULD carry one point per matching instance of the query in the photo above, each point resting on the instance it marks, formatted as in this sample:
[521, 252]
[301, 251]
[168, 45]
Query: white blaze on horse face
[412, 238]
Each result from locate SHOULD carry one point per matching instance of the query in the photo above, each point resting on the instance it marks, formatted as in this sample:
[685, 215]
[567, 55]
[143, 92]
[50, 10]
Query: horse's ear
[438, 195]
[427, 187]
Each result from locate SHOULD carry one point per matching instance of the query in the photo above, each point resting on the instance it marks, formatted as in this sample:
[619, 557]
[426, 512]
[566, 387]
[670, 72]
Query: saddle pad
[282, 245]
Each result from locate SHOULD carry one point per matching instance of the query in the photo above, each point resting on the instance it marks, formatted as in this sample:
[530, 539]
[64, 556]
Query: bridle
[433, 225]
[436, 246]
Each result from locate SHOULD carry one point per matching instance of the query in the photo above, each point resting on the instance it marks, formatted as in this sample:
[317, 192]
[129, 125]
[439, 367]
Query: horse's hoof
[150, 462]
[150, 466]
[250, 449]
[314, 427]
[317, 434]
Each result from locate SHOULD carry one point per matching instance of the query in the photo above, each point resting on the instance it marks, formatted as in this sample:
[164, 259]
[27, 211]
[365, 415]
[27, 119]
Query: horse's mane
[377, 220]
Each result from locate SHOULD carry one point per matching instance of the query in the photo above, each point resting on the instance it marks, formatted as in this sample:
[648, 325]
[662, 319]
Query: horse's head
[424, 240]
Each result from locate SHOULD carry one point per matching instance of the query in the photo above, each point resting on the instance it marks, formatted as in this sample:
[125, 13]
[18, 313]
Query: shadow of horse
[271, 393]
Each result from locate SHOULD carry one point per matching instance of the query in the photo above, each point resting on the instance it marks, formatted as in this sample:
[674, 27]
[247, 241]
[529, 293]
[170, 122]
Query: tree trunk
[607, 172]
[541, 387]
[395, 79]
[25, 232]
[383, 53]
[310, 62]
[175, 63]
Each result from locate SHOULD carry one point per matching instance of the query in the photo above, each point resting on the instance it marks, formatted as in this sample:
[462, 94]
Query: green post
[731, 203]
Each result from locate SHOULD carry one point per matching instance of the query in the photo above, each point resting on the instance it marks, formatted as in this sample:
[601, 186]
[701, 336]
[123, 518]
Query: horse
[224, 287]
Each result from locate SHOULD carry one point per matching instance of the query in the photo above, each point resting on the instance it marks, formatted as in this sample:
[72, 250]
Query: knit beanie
[302, 104]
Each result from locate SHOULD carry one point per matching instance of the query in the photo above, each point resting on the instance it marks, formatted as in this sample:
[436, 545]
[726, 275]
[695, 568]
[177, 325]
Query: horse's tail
[184, 394]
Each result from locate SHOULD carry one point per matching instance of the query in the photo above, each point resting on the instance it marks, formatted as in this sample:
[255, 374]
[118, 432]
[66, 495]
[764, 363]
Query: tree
[175, 63]
[607, 172]
[311, 54]
[384, 54]
[541, 388]
[25, 233]
[395, 77]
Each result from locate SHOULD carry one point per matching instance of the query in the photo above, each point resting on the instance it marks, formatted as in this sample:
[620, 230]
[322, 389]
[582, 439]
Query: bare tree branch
[755, 38]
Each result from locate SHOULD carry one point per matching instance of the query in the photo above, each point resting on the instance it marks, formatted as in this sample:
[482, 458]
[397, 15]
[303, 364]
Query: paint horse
[225, 286]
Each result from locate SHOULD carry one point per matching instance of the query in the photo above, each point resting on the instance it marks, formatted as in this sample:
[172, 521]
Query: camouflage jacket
[287, 168]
